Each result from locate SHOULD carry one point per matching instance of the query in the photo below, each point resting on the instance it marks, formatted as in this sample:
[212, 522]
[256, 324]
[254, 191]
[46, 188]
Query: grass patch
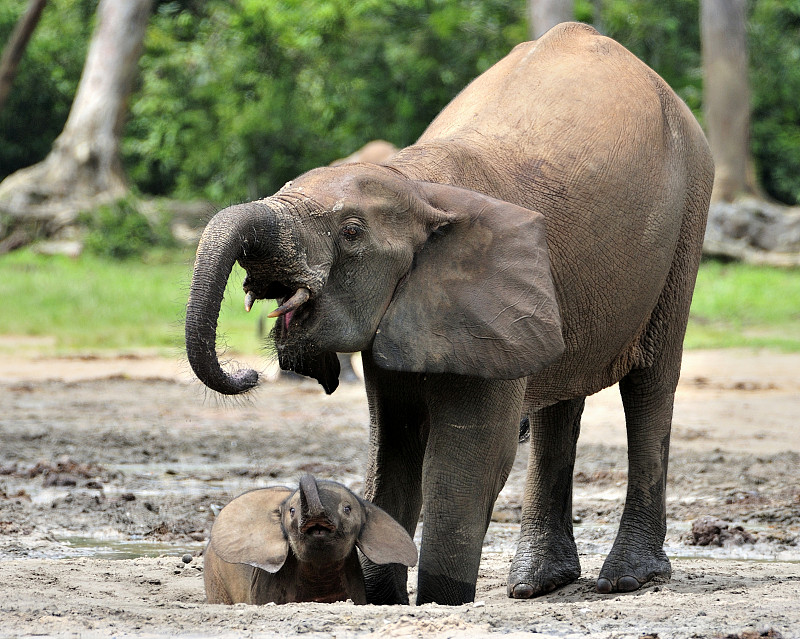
[737, 305]
[92, 304]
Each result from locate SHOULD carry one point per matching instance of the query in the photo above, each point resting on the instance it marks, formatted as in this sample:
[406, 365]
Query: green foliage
[236, 97]
[736, 304]
[262, 90]
[47, 77]
[120, 231]
[775, 79]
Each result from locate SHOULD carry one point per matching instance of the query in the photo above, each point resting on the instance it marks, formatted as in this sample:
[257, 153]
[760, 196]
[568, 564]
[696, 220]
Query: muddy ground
[111, 468]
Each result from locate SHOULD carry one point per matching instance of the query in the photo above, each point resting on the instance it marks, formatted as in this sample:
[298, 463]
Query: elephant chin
[323, 367]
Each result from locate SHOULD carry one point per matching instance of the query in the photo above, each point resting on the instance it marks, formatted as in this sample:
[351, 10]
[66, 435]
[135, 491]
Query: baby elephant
[282, 545]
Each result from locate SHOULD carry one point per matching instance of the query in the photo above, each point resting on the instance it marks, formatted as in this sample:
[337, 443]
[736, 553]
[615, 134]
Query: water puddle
[73, 546]
[123, 549]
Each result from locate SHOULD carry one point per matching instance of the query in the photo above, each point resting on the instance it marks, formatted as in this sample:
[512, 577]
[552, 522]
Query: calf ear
[480, 298]
[383, 540]
[248, 530]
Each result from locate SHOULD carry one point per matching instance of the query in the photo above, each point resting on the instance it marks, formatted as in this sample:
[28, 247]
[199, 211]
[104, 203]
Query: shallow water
[501, 538]
[97, 547]
[122, 549]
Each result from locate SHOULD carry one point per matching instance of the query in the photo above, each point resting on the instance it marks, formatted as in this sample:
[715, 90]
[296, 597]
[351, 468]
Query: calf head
[321, 523]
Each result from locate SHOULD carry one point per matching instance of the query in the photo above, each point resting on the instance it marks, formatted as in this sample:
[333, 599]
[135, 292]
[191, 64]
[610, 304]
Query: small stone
[187, 558]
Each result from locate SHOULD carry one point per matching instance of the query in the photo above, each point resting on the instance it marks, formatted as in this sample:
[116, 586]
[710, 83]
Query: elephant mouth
[290, 299]
[318, 528]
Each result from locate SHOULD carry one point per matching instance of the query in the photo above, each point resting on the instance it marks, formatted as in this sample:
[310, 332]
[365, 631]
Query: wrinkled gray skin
[277, 545]
[538, 243]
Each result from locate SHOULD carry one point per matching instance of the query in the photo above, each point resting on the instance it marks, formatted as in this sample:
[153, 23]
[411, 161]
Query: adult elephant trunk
[254, 232]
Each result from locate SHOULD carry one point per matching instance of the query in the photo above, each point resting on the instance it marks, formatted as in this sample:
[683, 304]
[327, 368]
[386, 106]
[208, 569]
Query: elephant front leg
[471, 447]
[638, 554]
[547, 557]
[397, 441]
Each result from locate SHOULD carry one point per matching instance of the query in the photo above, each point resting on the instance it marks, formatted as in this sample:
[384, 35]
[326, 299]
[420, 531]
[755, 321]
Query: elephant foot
[626, 574]
[443, 590]
[535, 575]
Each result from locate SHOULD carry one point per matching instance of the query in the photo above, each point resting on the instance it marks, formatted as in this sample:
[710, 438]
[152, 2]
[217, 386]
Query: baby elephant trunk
[312, 512]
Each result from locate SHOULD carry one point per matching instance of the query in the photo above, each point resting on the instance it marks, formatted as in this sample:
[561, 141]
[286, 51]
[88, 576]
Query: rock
[754, 231]
[710, 531]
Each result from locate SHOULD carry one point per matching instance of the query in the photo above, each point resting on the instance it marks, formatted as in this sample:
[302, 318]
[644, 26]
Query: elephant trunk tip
[209, 371]
[245, 379]
[312, 511]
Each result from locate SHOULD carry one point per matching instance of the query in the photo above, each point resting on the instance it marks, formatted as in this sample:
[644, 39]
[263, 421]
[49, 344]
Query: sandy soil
[111, 469]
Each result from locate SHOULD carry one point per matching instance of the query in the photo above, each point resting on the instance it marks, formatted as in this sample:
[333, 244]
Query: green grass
[91, 304]
[95, 304]
[737, 305]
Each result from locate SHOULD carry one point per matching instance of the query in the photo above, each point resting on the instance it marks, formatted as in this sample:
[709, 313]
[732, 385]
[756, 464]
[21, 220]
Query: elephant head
[428, 277]
[321, 523]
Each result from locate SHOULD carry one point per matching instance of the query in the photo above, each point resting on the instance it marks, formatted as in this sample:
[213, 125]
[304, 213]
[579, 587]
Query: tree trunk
[726, 96]
[12, 54]
[83, 168]
[543, 15]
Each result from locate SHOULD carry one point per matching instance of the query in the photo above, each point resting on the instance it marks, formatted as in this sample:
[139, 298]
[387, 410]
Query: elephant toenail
[522, 591]
[628, 584]
[604, 586]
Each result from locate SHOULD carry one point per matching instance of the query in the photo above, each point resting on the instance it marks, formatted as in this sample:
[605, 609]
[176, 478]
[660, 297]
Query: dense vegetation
[236, 97]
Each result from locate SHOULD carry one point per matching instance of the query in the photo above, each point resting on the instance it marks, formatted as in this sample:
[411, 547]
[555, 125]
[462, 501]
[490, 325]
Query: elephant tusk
[248, 300]
[293, 303]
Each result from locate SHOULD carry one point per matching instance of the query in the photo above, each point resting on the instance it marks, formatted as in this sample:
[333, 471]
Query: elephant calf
[282, 546]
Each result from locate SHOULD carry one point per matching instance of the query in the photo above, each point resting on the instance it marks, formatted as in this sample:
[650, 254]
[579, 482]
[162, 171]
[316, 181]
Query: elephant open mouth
[318, 528]
[289, 313]
[288, 297]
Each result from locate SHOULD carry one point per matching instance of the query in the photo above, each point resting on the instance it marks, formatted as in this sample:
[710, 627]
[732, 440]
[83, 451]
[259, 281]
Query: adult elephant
[538, 243]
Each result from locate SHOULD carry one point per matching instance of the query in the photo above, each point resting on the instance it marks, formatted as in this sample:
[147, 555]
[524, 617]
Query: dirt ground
[111, 469]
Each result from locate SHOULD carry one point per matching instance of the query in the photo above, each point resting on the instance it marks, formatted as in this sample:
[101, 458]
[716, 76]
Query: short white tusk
[249, 299]
[293, 303]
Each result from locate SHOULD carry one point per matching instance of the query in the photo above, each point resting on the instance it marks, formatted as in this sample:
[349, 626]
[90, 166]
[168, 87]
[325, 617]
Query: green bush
[235, 98]
[120, 231]
[775, 80]
[259, 91]
[47, 78]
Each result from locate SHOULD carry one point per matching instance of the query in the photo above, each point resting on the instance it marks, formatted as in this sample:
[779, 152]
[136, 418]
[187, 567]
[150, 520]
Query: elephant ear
[248, 530]
[479, 299]
[383, 540]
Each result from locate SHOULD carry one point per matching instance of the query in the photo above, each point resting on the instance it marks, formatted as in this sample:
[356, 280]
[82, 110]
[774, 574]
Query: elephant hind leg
[637, 555]
[648, 395]
[546, 556]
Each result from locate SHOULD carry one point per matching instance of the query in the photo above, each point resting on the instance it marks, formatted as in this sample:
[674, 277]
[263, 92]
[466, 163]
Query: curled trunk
[252, 231]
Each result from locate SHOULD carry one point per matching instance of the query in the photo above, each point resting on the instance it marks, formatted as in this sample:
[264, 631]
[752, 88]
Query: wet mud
[111, 470]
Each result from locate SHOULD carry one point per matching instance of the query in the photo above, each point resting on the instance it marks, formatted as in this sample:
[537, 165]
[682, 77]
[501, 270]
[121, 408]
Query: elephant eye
[346, 510]
[351, 232]
[291, 512]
